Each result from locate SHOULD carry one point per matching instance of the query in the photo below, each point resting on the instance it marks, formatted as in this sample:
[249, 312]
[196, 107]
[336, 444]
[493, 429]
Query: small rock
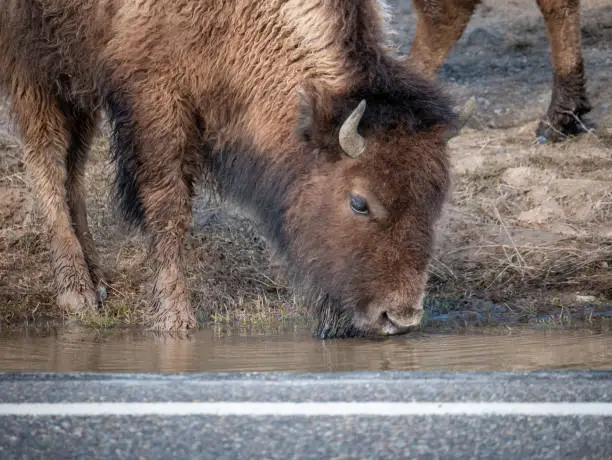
[540, 214]
[585, 298]
[526, 177]
[481, 37]
[443, 317]
[101, 294]
[541, 140]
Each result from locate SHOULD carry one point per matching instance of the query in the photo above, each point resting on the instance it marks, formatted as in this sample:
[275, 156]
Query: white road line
[286, 409]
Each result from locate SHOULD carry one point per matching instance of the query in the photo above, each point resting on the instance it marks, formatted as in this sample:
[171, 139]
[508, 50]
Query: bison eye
[358, 204]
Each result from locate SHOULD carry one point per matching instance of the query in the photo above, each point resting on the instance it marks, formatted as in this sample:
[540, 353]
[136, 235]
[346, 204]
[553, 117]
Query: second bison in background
[441, 23]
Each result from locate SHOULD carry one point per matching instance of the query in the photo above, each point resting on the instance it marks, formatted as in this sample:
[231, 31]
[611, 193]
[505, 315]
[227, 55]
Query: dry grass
[529, 226]
[488, 254]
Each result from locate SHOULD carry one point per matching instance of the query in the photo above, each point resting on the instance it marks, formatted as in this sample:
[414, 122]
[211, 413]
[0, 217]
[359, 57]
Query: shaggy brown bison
[441, 23]
[291, 108]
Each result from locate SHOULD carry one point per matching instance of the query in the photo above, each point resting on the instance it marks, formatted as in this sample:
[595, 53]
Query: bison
[441, 23]
[293, 109]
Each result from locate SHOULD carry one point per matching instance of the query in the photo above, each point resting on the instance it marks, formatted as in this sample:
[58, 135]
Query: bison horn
[351, 141]
[464, 115]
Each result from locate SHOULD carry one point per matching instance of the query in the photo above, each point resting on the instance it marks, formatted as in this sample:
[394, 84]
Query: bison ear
[315, 121]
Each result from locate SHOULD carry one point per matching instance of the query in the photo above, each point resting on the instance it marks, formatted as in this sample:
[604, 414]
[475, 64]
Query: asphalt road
[561, 414]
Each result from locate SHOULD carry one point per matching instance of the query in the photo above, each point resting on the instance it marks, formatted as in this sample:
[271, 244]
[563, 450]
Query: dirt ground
[526, 236]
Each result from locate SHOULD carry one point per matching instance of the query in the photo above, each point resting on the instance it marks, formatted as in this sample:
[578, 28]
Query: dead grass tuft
[527, 224]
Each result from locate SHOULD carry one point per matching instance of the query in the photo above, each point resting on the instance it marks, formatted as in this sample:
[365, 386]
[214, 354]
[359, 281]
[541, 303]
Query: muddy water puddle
[290, 348]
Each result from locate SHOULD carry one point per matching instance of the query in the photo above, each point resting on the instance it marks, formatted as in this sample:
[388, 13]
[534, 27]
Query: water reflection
[289, 348]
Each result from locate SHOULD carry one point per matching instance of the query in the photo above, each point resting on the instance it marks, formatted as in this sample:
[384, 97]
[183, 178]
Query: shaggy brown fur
[198, 88]
[441, 23]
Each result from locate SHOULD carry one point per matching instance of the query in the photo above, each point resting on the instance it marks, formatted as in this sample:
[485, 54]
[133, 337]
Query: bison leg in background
[82, 126]
[156, 150]
[440, 24]
[569, 100]
[47, 130]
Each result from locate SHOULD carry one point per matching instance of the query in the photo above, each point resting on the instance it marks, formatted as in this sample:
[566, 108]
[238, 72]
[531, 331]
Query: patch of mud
[526, 235]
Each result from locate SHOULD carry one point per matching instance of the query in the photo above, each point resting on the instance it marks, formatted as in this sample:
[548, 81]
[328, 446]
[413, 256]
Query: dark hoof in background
[568, 105]
[550, 133]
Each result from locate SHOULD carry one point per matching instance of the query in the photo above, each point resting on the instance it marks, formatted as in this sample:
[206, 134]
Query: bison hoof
[170, 323]
[174, 317]
[549, 132]
[78, 302]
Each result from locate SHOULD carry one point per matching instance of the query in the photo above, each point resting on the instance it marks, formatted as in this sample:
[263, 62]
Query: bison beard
[252, 98]
[331, 320]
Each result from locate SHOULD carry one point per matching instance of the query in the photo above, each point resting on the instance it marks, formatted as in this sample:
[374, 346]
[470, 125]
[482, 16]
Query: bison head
[361, 220]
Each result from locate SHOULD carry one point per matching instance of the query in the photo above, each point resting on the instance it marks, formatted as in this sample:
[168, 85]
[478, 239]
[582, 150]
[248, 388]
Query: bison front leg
[170, 307]
[569, 100]
[166, 200]
[440, 24]
[46, 131]
[154, 143]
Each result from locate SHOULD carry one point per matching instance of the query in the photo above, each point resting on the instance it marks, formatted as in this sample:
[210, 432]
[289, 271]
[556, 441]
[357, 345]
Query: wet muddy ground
[526, 236]
[285, 346]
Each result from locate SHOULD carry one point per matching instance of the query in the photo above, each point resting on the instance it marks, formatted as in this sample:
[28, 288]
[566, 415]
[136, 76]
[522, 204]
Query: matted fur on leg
[45, 129]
